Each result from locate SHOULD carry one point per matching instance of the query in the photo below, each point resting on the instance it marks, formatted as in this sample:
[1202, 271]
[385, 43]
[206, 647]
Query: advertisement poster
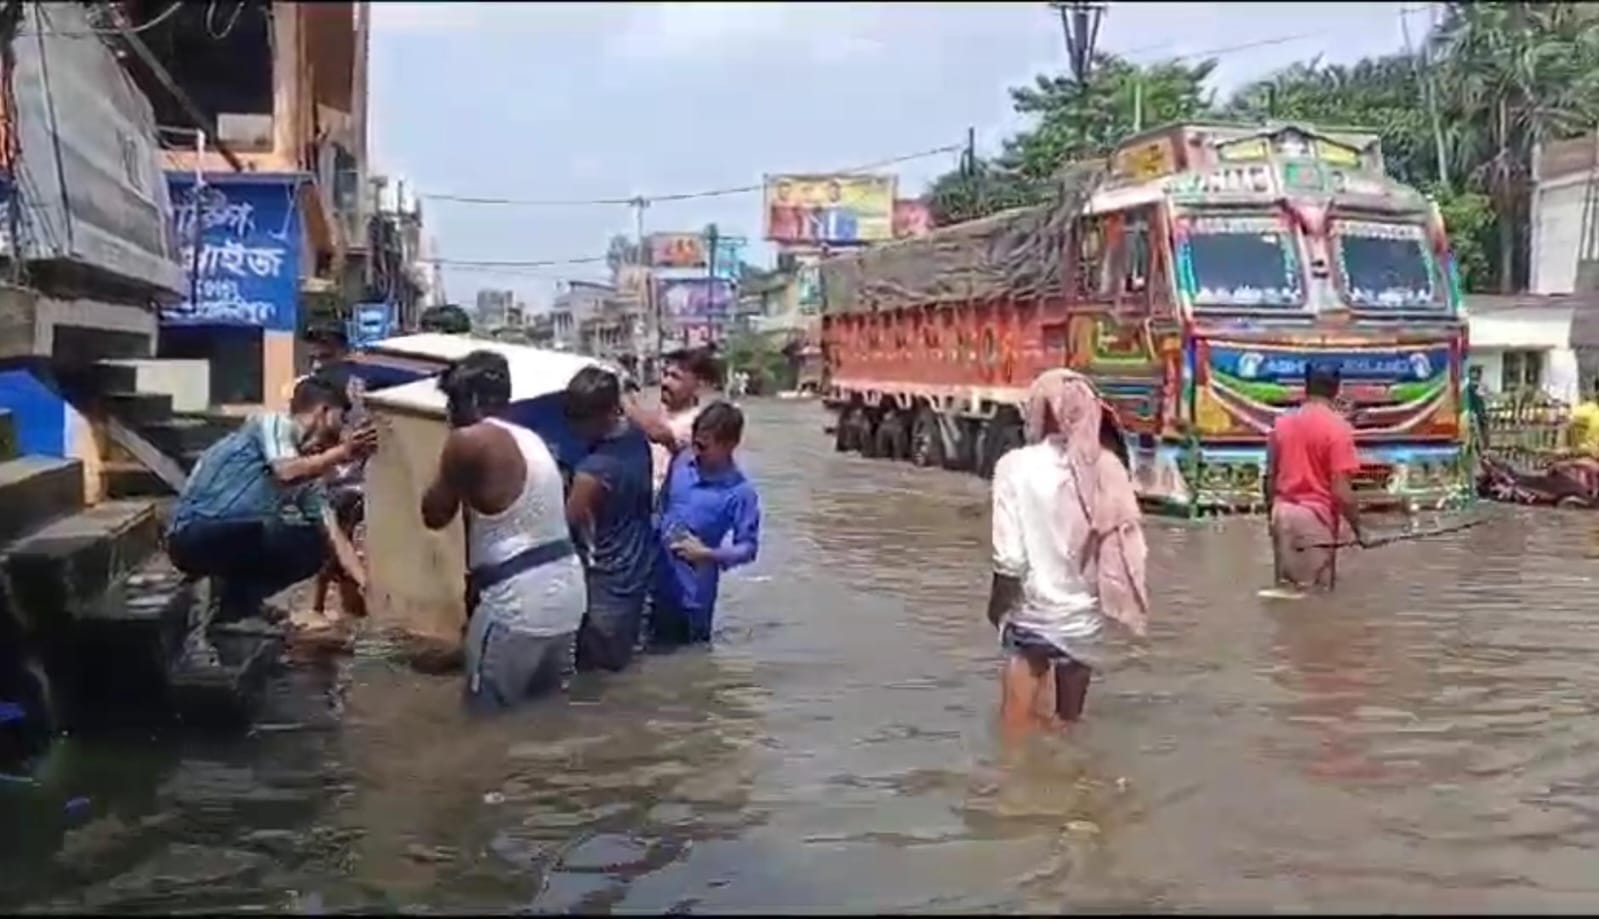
[676, 250]
[912, 218]
[829, 209]
[695, 299]
[249, 260]
[370, 322]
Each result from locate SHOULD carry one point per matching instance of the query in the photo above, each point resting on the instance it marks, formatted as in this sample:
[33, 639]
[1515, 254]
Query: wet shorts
[1027, 643]
[505, 667]
[610, 631]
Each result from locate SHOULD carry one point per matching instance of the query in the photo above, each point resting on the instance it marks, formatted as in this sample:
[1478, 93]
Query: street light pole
[1080, 21]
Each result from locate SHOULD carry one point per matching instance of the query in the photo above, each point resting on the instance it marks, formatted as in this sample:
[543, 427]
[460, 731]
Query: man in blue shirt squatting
[608, 509]
[254, 514]
[710, 521]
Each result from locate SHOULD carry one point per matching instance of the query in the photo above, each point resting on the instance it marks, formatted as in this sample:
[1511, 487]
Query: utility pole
[652, 303]
[710, 273]
[10, 22]
[1080, 21]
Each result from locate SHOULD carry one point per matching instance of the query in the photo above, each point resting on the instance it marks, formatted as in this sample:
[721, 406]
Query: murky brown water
[1426, 742]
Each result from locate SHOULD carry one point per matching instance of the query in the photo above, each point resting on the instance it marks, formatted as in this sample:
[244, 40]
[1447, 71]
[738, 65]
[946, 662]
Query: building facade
[269, 244]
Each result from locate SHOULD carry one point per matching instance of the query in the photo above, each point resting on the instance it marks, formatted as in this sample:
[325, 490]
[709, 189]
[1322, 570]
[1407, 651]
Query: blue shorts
[1026, 643]
[610, 631]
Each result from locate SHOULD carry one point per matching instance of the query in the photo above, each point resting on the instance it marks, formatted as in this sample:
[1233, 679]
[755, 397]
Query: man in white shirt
[688, 379]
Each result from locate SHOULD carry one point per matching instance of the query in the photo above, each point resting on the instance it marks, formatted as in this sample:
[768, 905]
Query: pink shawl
[1100, 496]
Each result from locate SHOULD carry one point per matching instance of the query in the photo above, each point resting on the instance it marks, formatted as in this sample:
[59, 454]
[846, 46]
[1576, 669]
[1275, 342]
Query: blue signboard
[1266, 366]
[370, 322]
[729, 257]
[248, 266]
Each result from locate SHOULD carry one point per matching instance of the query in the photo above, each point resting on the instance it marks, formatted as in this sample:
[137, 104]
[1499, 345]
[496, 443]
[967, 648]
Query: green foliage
[1461, 117]
[449, 320]
[769, 368]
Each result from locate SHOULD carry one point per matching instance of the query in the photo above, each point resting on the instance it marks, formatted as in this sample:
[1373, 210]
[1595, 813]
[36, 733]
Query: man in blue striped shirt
[254, 514]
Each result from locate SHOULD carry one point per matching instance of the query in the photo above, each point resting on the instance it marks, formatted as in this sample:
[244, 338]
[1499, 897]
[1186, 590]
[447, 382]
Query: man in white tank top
[525, 590]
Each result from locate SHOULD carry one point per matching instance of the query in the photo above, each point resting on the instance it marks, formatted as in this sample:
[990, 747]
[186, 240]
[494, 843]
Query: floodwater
[1427, 741]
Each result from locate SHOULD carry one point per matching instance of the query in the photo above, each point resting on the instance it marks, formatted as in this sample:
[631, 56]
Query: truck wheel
[844, 430]
[999, 438]
[867, 436]
[927, 444]
[968, 443]
[893, 441]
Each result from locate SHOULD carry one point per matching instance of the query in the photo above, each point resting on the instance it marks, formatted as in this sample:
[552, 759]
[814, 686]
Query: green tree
[1511, 76]
[448, 319]
[1072, 121]
[622, 250]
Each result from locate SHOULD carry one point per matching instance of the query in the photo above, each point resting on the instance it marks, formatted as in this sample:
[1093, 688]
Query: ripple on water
[1420, 741]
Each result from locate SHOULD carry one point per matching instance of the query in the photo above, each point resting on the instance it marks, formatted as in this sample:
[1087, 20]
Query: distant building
[494, 308]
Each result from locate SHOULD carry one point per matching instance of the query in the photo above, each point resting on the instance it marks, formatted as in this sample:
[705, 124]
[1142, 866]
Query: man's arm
[652, 423]
[283, 456]
[1345, 462]
[746, 536]
[583, 504]
[1268, 479]
[1010, 552]
[457, 463]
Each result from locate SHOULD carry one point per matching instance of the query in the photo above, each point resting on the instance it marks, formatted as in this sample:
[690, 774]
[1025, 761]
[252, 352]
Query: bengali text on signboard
[248, 267]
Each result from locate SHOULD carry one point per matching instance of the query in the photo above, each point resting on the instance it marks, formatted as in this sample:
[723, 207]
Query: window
[1089, 270]
[1243, 262]
[1521, 371]
[1384, 265]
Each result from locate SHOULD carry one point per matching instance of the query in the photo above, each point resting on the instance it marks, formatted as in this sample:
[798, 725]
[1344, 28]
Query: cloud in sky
[590, 100]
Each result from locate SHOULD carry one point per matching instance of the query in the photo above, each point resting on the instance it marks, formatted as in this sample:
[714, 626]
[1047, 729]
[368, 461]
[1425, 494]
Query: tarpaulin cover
[1015, 253]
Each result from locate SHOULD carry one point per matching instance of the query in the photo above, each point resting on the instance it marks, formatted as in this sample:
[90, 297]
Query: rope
[1398, 537]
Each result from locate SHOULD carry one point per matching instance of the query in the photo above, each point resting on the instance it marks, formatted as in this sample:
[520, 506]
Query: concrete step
[127, 479]
[228, 694]
[176, 437]
[35, 490]
[61, 572]
[8, 436]
[116, 669]
[137, 409]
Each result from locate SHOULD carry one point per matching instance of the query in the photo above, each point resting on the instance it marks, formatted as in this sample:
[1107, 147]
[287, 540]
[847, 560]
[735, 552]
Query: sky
[541, 101]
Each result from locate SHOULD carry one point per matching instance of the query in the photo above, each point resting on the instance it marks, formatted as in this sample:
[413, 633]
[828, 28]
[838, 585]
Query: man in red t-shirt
[1310, 456]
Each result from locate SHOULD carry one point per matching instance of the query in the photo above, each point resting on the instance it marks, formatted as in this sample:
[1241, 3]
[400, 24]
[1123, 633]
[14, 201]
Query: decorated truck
[1191, 275]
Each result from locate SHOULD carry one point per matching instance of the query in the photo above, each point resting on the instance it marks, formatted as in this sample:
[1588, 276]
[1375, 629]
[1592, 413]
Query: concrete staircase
[94, 621]
[109, 390]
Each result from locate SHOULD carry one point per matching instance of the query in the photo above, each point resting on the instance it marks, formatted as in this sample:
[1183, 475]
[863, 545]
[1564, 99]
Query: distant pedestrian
[710, 521]
[525, 589]
[1310, 459]
[609, 507]
[1069, 552]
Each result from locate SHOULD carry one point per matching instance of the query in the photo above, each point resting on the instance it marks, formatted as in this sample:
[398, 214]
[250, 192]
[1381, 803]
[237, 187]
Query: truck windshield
[1243, 262]
[1384, 265]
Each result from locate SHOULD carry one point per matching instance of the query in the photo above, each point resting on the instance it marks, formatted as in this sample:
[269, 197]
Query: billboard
[676, 250]
[694, 299]
[632, 281]
[808, 284]
[829, 209]
[249, 259]
[370, 322]
[729, 257]
[912, 217]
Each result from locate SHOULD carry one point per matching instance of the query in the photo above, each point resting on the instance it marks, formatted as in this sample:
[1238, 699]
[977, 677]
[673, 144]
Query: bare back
[495, 472]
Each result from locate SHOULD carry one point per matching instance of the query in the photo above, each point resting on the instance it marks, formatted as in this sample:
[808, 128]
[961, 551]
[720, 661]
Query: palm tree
[1513, 76]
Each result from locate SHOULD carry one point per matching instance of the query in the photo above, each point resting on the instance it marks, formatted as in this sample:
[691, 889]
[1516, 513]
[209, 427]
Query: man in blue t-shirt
[608, 508]
[254, 514]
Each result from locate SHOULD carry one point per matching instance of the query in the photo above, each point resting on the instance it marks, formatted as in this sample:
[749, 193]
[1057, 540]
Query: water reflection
[1421, 741]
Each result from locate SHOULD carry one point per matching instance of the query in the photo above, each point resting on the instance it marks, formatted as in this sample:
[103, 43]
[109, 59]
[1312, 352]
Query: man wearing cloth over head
[524, 582]
[609, 508]
[1310, 456]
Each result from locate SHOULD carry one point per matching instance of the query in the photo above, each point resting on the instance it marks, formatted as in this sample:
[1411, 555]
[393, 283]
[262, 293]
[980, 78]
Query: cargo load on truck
[1015, 253]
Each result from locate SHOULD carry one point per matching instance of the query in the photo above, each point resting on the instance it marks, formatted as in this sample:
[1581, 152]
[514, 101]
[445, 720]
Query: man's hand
[363, 441]
[691, 550]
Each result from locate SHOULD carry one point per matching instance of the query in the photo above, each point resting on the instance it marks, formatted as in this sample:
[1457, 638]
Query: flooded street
[1426, 742]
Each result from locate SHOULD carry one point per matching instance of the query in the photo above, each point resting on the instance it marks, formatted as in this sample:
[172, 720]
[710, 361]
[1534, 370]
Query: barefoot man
[1310, 456]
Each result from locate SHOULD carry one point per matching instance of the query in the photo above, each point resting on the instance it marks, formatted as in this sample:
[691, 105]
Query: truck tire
[1000, 436]
[844, 430]
[866, 434]
[927, 443]
[893, 440]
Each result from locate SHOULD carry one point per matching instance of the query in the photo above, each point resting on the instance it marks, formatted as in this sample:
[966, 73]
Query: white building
[1526, 342]
[1565, 214]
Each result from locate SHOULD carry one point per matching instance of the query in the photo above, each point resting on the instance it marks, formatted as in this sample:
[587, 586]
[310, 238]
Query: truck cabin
[1282, 224]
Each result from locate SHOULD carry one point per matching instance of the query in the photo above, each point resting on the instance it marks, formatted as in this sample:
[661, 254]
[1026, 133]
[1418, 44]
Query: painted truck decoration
[1191, 276]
